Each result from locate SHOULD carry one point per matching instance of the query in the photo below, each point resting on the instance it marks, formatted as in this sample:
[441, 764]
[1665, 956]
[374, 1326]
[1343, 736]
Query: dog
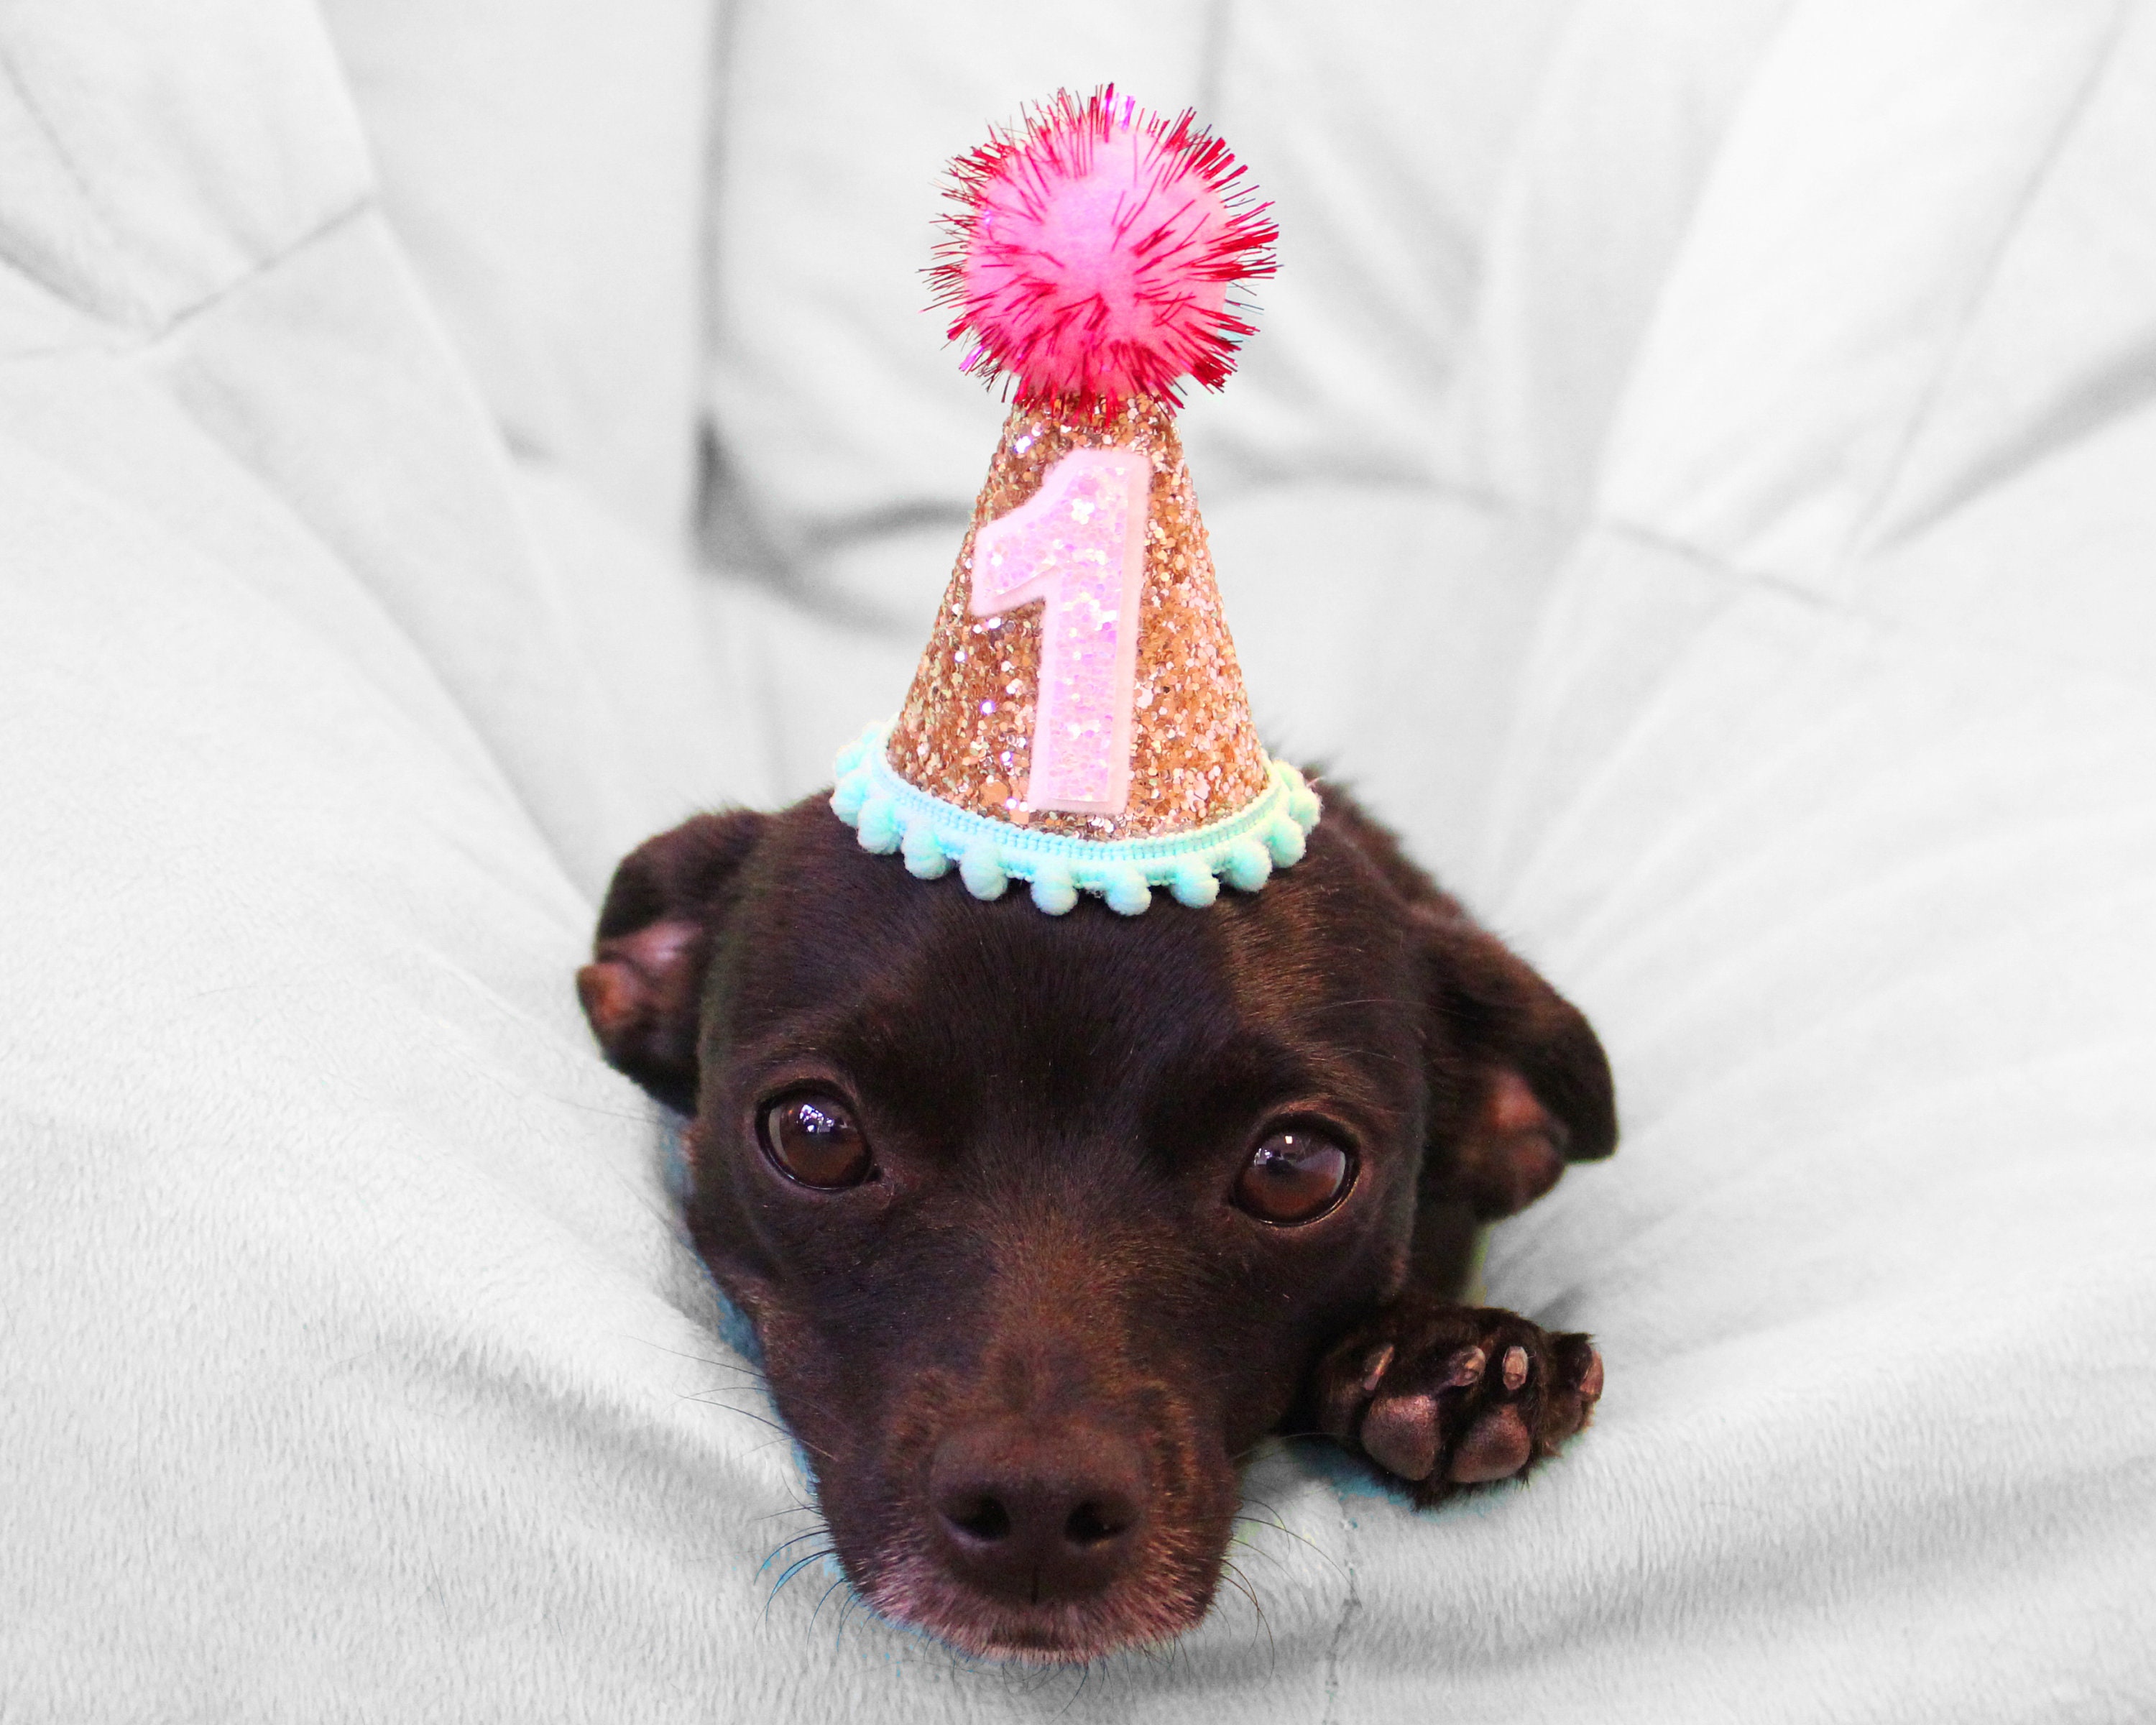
[1043, 1222]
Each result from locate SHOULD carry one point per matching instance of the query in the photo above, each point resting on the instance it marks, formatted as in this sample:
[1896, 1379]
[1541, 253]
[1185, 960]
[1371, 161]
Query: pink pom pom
[1091, 253]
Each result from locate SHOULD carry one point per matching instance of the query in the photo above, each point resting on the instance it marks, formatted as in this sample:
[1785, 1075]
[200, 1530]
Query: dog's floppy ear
[643, 989]
[1519, 1084]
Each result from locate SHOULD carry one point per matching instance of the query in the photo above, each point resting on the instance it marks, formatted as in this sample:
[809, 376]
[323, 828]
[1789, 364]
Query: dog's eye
[1296, 1175]
[813, 1140]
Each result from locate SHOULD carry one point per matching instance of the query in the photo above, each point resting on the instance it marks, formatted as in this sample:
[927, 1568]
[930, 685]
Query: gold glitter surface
[965, 731]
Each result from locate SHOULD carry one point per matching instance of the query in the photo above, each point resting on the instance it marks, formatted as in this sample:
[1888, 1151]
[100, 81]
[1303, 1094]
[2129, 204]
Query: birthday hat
[1078, 720]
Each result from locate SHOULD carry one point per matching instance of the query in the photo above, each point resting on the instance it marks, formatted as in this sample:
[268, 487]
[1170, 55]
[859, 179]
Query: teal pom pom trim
[981, 867]
[1128, 892]
[1284, 841]
[1194, 885]
[851, 791]
[1053, 889]
[890, 814]
[878, 827]
[925, 859]
[1245, 867]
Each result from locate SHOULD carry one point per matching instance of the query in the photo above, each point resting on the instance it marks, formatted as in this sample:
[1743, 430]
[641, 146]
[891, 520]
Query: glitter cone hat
[1078, 721]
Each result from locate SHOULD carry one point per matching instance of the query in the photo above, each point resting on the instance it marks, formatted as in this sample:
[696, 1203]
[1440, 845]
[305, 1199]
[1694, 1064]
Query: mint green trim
[889, 814]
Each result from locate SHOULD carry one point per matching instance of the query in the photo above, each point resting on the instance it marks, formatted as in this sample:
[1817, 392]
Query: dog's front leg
[1441, 1395]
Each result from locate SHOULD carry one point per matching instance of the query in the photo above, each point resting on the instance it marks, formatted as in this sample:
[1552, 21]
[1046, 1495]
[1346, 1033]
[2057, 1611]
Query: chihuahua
[1043, 1222]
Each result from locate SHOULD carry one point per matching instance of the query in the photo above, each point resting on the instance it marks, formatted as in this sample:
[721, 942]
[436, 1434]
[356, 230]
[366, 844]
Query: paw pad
[1497, 1447]
[1442, 1395]
[1400, 1434]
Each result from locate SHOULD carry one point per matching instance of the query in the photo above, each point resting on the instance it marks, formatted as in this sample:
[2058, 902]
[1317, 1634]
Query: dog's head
[1042, 1219]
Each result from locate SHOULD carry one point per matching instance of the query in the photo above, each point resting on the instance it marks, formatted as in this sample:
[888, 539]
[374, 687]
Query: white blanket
[1721, 442]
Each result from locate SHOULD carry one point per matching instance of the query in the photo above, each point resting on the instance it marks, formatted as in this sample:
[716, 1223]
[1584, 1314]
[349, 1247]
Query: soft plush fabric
[1704, 498]
[543, 164]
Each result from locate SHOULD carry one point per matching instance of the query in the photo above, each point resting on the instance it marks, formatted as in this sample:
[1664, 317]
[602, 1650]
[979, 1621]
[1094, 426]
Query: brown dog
[1043, 1221]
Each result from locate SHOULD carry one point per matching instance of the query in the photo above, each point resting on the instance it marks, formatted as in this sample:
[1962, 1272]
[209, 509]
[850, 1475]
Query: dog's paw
[1442, 1395]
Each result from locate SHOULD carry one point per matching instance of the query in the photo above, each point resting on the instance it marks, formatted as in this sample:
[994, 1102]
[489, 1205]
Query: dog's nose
[1032, 1511]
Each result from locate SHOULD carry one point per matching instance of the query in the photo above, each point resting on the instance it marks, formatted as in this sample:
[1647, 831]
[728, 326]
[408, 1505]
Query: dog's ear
[643, 989]
[1519, 1084]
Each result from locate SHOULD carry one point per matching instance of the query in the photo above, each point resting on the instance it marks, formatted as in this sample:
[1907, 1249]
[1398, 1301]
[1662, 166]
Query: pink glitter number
[1079, 543]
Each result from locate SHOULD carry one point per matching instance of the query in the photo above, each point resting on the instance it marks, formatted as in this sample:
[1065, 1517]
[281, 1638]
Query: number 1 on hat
[1078, 544]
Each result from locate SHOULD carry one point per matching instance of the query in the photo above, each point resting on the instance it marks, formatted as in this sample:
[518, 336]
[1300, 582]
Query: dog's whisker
[794, 1570]
[823, 1597]
[741, 1368]
[709, 1397]
[1233, 1573]
[812, 1534]
[1084, 1676]
[1275, 1437]
[1228, 1570]
[1257, 1551]
[705, 1359]
[848, 1606]
[783, 1431]
[799, 1509]
[747, 1371]
[1327, 1556]
[755, 1372]
[1279, 1526]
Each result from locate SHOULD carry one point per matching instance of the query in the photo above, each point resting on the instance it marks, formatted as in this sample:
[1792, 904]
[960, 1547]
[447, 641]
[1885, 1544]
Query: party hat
[1078, 720]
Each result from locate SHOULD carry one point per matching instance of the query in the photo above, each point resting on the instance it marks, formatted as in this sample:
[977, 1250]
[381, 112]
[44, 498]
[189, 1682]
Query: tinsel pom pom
[1091, 252]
